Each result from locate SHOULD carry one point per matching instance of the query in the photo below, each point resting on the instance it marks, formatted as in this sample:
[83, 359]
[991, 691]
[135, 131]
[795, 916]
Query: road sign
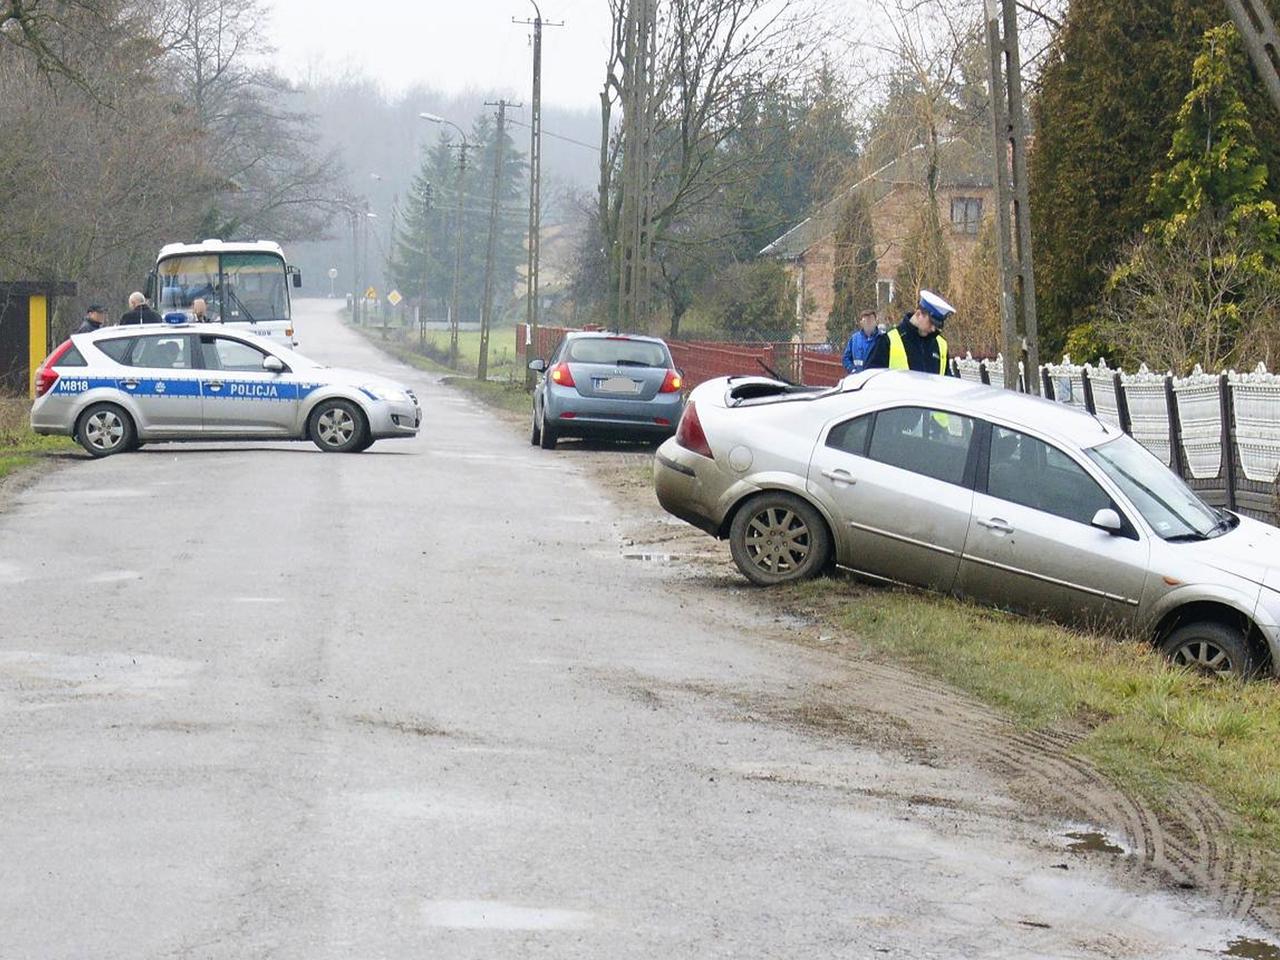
[371, 294]
[333, 273]
[394, 298]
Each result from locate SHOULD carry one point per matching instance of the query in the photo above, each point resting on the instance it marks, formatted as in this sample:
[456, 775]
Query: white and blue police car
[119, 387]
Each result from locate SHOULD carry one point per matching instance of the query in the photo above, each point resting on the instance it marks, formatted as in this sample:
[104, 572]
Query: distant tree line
[131, 123]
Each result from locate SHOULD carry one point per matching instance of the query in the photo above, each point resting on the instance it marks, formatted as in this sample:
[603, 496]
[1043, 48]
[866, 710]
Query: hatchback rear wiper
[631, 363]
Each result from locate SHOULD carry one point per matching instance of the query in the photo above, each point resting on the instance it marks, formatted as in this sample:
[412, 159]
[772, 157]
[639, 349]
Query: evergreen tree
[1104, 119]
[854, 268]
[1200, 281]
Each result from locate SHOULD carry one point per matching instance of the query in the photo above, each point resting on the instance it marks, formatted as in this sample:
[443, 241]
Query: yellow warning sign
[394, 298]
[371, 294]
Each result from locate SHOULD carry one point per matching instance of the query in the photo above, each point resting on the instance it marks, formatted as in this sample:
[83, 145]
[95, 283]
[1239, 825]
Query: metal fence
[1220, 432]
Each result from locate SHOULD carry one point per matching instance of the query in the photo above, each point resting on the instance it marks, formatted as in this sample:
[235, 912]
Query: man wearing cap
[94, 318]
[917, 342]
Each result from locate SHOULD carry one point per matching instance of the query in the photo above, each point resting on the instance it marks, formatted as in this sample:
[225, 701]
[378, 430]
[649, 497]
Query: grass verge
[501, 390]
[19, 447]
[1149, 726]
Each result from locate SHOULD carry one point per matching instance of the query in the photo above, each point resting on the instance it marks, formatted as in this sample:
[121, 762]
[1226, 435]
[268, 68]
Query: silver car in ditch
[606, 385]
[117, 388]
[992, 495]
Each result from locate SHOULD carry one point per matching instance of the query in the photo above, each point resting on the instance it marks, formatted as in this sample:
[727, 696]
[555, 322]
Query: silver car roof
[994, 403]
[608, 335]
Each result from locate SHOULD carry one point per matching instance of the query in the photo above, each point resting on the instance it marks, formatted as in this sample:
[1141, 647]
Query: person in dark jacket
[859, 346]
[94, 318]
[917, 342]
[139, 312]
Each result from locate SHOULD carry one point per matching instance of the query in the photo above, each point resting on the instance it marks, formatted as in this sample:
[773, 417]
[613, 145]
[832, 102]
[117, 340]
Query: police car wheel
[105, 429]
[779, 538]
[338, 426]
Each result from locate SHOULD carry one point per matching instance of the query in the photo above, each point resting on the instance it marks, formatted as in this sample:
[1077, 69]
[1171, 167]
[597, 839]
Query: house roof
[960, 163]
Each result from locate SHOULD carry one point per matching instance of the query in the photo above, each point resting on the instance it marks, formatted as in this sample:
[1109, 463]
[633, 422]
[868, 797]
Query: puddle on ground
[1252, 949]
[1091, 841]
[492, 915]
[650, 557]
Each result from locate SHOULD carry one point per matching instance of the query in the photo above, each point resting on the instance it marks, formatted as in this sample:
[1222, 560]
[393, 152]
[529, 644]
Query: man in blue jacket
[860, 344]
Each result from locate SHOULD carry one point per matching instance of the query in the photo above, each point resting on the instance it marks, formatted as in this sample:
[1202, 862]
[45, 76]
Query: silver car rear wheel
[105, 429]
[337, 426]
[779, 538]
[1214, 649]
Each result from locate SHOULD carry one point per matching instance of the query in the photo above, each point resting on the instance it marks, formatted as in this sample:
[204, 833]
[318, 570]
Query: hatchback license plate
[619, 385]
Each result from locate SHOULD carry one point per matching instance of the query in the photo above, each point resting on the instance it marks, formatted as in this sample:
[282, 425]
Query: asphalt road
[259, 701]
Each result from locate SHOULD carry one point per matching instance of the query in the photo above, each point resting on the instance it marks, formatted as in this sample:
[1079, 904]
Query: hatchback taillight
[689, 433]
[46, 376]
[672, 383]
[559, 374]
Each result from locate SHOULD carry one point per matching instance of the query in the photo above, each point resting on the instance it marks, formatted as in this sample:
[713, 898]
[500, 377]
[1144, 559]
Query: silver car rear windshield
[1165, 502]
[618, 351]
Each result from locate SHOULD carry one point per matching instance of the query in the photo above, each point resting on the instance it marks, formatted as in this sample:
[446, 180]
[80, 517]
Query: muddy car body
[996, 496]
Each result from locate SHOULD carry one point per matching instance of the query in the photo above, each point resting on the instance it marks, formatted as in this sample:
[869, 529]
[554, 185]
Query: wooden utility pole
[486, 308]
[454, 305]
[427, 197]
[1019, 327]
[635, 243]
[1261, 40]
[535, 187]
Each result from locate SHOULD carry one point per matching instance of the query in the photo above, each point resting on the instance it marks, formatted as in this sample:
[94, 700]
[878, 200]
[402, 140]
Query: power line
[547, 133]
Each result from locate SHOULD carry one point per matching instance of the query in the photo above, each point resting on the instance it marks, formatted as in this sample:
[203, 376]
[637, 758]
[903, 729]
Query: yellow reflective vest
[898, 352]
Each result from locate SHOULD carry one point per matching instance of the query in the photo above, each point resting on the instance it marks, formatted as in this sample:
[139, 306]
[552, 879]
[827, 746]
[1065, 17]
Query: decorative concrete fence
[1219, 431]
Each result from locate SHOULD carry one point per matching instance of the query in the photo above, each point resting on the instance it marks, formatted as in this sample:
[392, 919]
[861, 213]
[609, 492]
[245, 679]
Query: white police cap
[935, 307]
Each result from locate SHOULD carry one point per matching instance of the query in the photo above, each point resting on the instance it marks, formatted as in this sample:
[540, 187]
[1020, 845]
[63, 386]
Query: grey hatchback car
[608, 385]
[120, 387]
[962, 488]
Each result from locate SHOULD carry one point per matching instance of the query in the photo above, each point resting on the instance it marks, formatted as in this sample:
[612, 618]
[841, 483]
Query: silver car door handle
[840, 476]
[996, 525]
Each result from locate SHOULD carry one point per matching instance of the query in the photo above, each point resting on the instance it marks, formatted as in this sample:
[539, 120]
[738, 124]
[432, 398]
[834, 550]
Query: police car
[117, 388]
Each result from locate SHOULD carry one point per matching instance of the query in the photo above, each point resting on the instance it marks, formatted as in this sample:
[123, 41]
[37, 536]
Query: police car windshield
[236, 287]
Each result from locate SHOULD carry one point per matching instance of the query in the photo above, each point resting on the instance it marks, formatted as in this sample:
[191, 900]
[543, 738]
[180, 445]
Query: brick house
[895, 193]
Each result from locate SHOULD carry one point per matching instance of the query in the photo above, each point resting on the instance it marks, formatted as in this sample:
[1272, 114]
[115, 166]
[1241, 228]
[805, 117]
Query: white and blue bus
[244, 283]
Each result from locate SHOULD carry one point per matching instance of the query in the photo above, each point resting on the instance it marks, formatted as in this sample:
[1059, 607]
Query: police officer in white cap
[917, 342]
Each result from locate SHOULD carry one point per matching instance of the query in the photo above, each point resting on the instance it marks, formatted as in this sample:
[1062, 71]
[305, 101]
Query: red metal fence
[701, 360]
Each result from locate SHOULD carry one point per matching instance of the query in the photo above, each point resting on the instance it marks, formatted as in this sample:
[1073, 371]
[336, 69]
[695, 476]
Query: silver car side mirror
[538, 366]
[272, 364]
[1108, 520]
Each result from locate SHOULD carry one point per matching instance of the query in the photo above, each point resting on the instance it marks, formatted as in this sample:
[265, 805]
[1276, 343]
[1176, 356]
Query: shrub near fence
[1220, 432]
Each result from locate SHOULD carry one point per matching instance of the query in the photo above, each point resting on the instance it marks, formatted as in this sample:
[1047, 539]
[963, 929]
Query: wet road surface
[259, 701]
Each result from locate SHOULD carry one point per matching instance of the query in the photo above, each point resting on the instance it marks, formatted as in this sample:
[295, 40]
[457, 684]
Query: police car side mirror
[273, 364]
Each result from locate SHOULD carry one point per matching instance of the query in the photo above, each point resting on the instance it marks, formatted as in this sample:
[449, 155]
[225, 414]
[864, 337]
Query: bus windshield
[236, 287]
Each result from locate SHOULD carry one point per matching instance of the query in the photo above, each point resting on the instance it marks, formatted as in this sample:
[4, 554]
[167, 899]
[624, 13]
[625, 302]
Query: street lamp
[457, 261]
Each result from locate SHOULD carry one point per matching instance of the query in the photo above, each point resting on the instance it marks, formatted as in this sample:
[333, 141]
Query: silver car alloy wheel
[777, 540]
[104, 430]
[1203, 656]
[335, 426]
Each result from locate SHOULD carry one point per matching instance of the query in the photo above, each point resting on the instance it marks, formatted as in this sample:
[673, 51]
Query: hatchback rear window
[617, 352]
[117, 348]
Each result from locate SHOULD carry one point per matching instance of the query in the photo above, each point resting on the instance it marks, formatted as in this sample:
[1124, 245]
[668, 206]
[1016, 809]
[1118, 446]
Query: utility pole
[486, 307]
[535, 187]
[635, 242]
[1019, 327]
[454, 303]
[1259, 33]
[427, 196]
[355, 266]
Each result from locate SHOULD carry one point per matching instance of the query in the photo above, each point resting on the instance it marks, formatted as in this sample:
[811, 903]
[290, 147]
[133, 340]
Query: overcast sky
[450, 45]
